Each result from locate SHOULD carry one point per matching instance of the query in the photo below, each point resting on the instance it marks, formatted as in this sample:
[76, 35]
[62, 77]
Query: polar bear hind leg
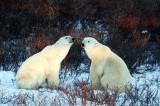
[109, 84]
[28, 81]
[115, 85]
[53, 81]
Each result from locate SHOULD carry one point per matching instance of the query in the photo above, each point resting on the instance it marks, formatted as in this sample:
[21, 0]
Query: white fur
[107, 69]
[44, 66]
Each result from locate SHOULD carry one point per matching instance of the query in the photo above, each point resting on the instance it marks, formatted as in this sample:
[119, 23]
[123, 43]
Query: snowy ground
[45, 97]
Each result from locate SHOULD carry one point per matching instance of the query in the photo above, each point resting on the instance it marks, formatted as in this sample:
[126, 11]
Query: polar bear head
[89, 43]
[65, 41]
[93, 47]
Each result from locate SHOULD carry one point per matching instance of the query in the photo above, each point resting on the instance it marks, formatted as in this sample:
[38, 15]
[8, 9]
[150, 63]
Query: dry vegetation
[82, 94]
[37, 23]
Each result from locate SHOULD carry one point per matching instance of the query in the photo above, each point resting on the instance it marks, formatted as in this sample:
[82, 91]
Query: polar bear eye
[65, 37]
[88, 41]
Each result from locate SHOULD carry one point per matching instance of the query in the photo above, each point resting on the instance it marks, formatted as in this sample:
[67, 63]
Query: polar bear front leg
[95, 81]
[53, 81]
[95, 74]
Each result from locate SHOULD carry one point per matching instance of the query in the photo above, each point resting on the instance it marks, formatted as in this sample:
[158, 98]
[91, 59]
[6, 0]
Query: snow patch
[9, 91]
[144, 31]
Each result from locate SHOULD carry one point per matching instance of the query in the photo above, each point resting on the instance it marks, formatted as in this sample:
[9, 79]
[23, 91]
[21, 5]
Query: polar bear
[107, 69]
[44, 66]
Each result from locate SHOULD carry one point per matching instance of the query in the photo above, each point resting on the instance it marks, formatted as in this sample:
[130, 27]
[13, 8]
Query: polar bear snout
[72, 40]
[82, 45]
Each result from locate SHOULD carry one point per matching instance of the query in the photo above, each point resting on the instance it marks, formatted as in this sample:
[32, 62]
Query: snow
[144, 31]
[78, 26]
[8, 91]
[44, 96]
[147, 80]
[7, 79]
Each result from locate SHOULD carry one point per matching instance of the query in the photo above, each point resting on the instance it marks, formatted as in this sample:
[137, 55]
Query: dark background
[131, 28]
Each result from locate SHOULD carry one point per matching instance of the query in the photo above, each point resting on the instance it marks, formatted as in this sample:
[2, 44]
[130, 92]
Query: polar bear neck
[96, 53]
[62, 52]
[56, 53]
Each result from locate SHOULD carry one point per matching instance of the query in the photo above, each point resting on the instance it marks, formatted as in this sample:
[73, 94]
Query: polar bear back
[113, 64]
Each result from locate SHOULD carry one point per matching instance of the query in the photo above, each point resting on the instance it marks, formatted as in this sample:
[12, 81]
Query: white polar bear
[107, 69]
[44, 66]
